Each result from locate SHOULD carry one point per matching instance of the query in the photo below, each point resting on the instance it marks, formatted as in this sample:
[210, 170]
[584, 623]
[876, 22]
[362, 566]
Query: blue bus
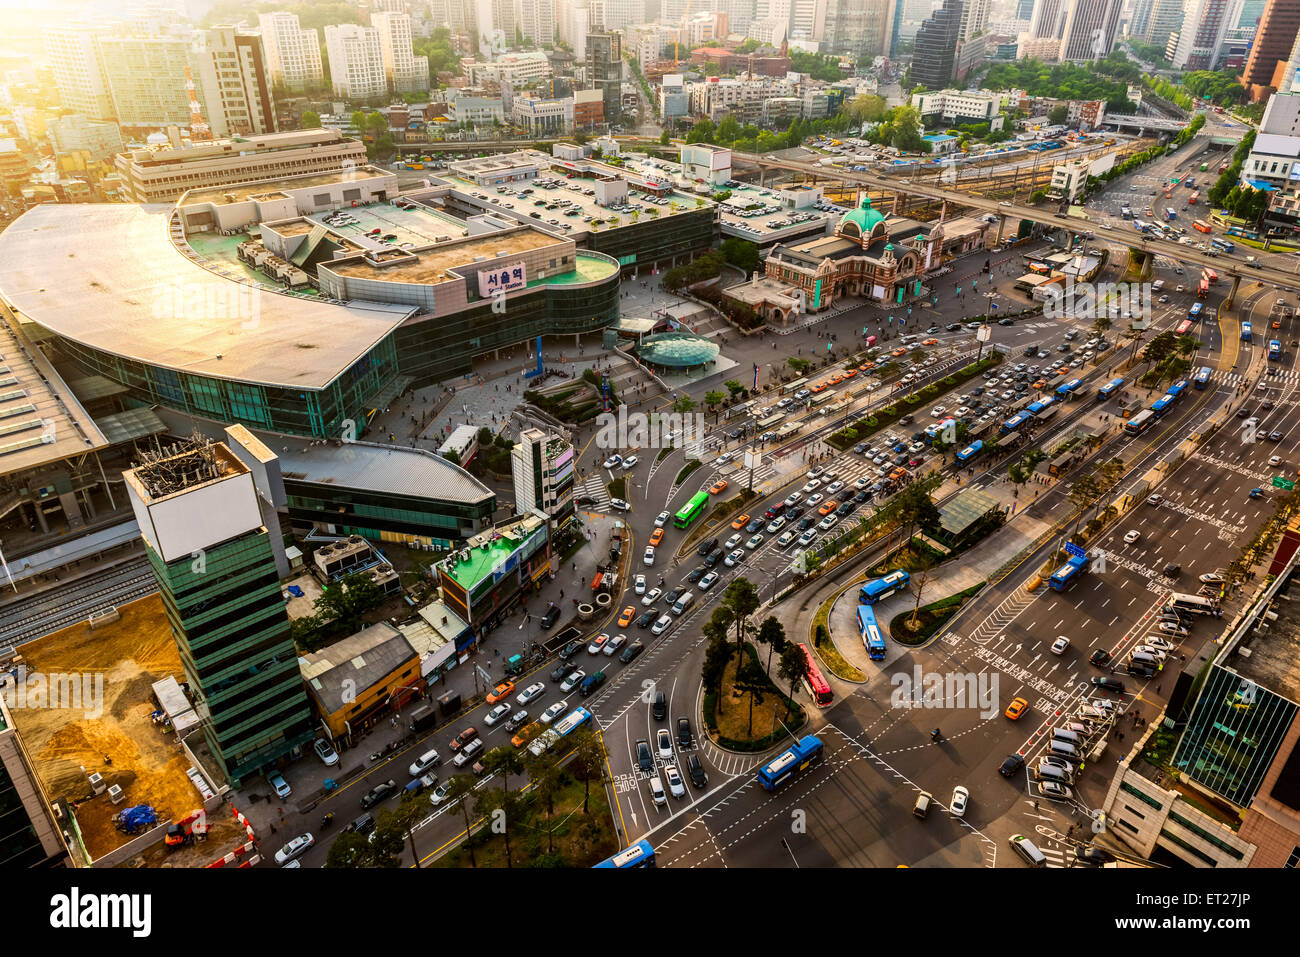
[1015, 422]
[640, 854]
[1178, 388]
[1062, 577]
[805, 752]
[1110, 388]
[1161, 405]
[571, 722]
[968, 453]
[882, 588]
[1202, 377]
[1274, 349]
[1223, 245]
[871, 635]
[1034, 408]
[1245, 332]
[1063, 391]
[1195, 312]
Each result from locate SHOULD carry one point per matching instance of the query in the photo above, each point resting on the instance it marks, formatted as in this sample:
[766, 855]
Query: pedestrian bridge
[1143, 122]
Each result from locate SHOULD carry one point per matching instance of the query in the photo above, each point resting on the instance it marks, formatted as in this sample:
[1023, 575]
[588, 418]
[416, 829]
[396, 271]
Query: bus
[802, 754]
[814, 681]
[1245, 332]
[1202, 288]
[771, 422]
[1274, 349]
[571, 722]
[1138, 424]
[1015, 422]
[1201, 226]
[1178, 388]
[1202, 377]
[872, 638]
[1169, 213]
[1062, 577]
[1036, 407]
[1184, 327]
[1223, 245]
[968, 453]
[1193, 603]
[691, 510]
[1063, 391]
[1197, 310]
[543, 742]
[1110, 388]
[1210, 275]
[882, 588]
[640, 854]
[1191, 200]
[1161, 405]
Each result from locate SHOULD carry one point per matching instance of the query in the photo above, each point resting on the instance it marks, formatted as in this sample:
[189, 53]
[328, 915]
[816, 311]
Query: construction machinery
[187, 830]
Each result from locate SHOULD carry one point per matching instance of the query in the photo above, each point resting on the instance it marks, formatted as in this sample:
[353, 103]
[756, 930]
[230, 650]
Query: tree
[411, 811]
[462, 797]
[793, 668]
[1058, 115]
[917, 589]
[712, 399]
[350, 850]
[359, 121]
[800, 366]
[741, 253]
[504, 760]
[728, 130]
[348, 599]
[771, 633]
[716, 657]
[310, 120]
[545, 776]
[683, 404]
[588, 761]
[916, 509]
[510, 805]
[734, 387]
[752, 680]
[702, 132]
[663, 138]
[741, 600]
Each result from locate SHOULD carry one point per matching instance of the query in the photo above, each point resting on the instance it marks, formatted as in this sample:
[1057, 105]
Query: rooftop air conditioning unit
[116, 794]
[1244, 652]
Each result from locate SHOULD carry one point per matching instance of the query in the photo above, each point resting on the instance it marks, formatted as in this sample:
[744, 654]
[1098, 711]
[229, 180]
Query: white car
[640, 585]
[426, 761]
[754, 542]
[834, 487]
[554, 711]
[829, 522]
[937, 412]
[661, 520]
[963, 410]
[1275, 460]
[675, 785]
[651, 596]
[613, 462]
[618, 503]
[664, 741]
[1169, 628]
[294, 849]
[708, 581]
[630, 461]
[325, 751]
[735, 558]
[1060, 644]
[862, 483]
[657, 791]
[733, 542]
[1155, 499]
[776, 525]
[1131, 537]
[788, 536]
[1157, 653]
[648, 558]
[571, 682]
[1155, 641]
[534, 690]
[1212, 578]
[497, 714]
[815, 500]
[722, 459]
[615, 643]
[960, 800]
[811, 486]
[662, 625]
[792, 499]
[815, 472]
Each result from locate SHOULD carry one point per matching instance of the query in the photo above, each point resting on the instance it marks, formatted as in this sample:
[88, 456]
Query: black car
[675, 594]
[551, 617]
[713, 558]
[735, 433]
[659, 709]
[845, 509]
[684, 733]
[644, 759]
[630, 652]
[571, 649]
[1010, 765]
[1108, 683]
[696, 770]
[647, 619]
[1099, 657]
[1172, 570]
[362, 825]
[1092, 855]
[706, 546]
[562, 672]
[806, 523]
[378, 793]
[698, 572]
[859, 448]
[863, 496]
[754, 525]
[794, 512]
[1243, 413]
[1138, 670]
[952, 327]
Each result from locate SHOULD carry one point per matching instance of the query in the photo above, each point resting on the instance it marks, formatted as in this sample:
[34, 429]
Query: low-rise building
[355, 682]
[495, 571]
[975, 105]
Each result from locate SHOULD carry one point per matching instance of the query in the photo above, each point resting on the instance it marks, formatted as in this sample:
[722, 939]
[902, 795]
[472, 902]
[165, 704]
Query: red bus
[1209, 275]
[1184, 327]
[1201, 226]
[1202, 289]
[815, 683]
[1223, 168]
[1191, 200]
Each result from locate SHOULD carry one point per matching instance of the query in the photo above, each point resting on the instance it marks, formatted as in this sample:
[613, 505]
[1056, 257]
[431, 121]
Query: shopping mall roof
[386, 469]
[108, 276]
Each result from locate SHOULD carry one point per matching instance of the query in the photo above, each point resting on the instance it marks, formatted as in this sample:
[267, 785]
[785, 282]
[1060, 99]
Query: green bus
[692, 510]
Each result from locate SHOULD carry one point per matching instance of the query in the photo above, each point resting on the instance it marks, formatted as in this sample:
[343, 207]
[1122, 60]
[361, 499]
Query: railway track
[32, 618]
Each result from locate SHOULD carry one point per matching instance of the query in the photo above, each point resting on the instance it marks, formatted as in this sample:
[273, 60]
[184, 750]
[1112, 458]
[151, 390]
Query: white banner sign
[499, 279]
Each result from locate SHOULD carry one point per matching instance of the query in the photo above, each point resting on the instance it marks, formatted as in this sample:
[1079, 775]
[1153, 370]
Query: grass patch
[929, 618]
[617, 487]
[664, 453]
[581, 840]
[687, 469]
[732, 725]
[827, 651]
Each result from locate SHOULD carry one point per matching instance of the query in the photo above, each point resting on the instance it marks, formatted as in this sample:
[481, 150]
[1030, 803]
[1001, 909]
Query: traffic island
[842, 623]
[750, 713]
[929, 619]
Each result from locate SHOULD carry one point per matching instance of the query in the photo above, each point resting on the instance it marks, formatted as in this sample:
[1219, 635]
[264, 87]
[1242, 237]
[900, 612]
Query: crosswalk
[594, 487]
[848, 468]
[1290, 376]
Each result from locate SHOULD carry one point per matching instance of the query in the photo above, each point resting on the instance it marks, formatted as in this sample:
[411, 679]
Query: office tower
[974, 18]
[936, 47]
[356, 61]
[29, 834]
[202, 526]
[1248, 13]
[403, 70]
[537, 21]
[1274, 40]
[1049, 19]
[542, 466]
[1165, 19]
[860, 27]
[73, 53]
[1204, 24]
[292, 53]
[1024, 9]
[605, 70]
[1090, 27]
[1140, 18]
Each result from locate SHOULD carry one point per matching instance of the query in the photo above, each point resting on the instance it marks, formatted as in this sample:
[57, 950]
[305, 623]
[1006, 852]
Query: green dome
[677, 350]
[864, 217]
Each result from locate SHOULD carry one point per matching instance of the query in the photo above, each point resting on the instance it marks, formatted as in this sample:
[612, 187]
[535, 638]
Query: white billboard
[502, 279]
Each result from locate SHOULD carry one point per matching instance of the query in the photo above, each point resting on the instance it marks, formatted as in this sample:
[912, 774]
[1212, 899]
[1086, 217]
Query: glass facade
[19, 844]
[1233, 735]
[233, 636]
[368, 513]
[649, 239]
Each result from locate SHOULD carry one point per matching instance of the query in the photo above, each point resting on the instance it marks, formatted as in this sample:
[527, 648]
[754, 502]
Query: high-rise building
[1090, 27]
[1164, 20]
[934, 61]
[74, 133]
[860, 27]
[147, 78]
[974, 18]
[537, 21]
[605, 70]
[1247, 14]
[356, 61]
[403, 70]
[234, 78]
[29, 834]
[292, 53]
[1024, 9]
[1204, 24]
[542, 466]
[73, 53]
[204, 534]
[1271, 50]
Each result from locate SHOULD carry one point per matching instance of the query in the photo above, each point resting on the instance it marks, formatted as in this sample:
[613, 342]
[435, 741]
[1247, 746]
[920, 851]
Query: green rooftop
[482, 561]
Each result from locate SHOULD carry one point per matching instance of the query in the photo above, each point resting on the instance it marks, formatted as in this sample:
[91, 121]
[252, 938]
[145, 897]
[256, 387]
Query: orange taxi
[828, 506]
[866, 366]
[625, 619]
[1017, 707]
[656, 537]
[740, 522]
[819, 387]
[850, 373]
[718, 486]
[930, 342]
[837, 378]
[504, 690]
[900, 351]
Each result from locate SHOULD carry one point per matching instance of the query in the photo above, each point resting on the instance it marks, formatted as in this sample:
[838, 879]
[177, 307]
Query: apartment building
[73, 54]
[716, 98]
[292, 53]
[233, 78]
[518, 69]
[403, 70]
[356, 61]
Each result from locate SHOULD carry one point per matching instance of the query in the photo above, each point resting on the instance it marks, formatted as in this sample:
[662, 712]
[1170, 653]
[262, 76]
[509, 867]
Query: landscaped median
[826, 651]
[741, 725]
[929, 618]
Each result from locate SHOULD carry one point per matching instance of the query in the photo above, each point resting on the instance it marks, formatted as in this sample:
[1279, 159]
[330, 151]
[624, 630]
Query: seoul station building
[299, 305]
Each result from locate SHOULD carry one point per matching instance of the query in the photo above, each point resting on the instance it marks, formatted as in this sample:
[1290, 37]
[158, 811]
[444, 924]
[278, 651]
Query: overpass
[1143, 122]
[1224, 265]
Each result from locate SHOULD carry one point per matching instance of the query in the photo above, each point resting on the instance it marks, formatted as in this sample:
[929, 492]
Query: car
[735, 558]
[533, 691]
[574, 679]
[1055, 790]
[648, 557]
[1052, 761]
[754, 542]
[1132, 536]
[613, 645]
[492, 717]
[725, 457]
[553, 712]
[1155, 499]
[1212, 578]
[1275, 436]
[697, 573]
[299, 846]
[663, 624]
[1256, 493]
[279, 785]
[639, 584]
[646, 618]
[754, 525]
[675, 785]
[960, 801]
[1017, 708]
[707, 546]
[676, 593]
[708, 581]
[620, 505]
[651, 596]
[1162, 644]
[733, 542]
[657, 795]
[613, 462]
[738, 524]
[644, 758]
[661, 520]
[827, 523]
[1060, 644]
[1089, 854]
[630, 461]
[1010, 765]
[776, 524]
[1169, 628]
[1107, 683]
[664, 743]
[503, 690]
[325, 751]
[1099, 657]
[630, 652]
[718, 486]
[808, 537]
[377, 794]
[517, 721]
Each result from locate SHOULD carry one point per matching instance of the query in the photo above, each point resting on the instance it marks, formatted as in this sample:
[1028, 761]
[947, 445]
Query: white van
[1028, 851]
[683, 603]
[1063, 749]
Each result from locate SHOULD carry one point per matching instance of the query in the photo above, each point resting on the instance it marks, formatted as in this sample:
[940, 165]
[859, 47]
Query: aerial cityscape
[650, 433]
